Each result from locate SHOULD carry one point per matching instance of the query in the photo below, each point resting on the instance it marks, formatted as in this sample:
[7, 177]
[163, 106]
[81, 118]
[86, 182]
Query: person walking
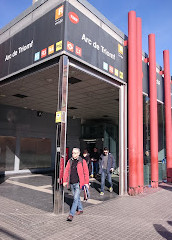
[86, 156]
[106, 167]
[95, 162]
[77, 175]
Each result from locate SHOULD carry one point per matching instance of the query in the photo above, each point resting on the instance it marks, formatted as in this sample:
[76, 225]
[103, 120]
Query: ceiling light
[39, 113]
[2, 95]
[49, 80]
[20, 95]
[73, 80]
[72, 108]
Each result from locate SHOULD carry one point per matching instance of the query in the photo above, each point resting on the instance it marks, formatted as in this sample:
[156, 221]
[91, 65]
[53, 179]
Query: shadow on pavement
[2, 178]
[38, 191]
[9, 234]
[167, 187]
[163, 231]
[170, 223]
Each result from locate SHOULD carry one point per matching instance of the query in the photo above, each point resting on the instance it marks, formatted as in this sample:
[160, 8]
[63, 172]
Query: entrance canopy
[38, 91]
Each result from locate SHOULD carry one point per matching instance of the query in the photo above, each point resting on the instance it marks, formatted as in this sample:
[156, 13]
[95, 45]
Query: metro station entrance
[96, 110]
[93, 118]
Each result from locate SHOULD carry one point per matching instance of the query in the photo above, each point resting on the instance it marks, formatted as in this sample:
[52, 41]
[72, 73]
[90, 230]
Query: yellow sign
[116, 72]
[121, 75]
[120, 49]
[58, 116]
[58, 46]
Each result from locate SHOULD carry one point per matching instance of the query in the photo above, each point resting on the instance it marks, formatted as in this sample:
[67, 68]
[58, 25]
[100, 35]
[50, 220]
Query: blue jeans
[95, 166]
[76, 199]
[103, 176]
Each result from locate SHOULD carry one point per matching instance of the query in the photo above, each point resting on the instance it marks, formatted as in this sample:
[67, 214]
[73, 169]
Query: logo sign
[37, 56]
[120, 50]
[111, 69]
[59, 12]
[116, 72]
[44, 53]
[121, 75]
[78, 51]
[70, 46]
[105, 66]
[73, 17]
[51, 49]
[58, 46]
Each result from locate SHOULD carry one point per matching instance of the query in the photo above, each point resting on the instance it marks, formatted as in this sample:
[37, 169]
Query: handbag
[86, 193]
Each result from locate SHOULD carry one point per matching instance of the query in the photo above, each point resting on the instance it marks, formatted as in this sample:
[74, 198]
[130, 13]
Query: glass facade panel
[35, 153]
[7, 153]
[146, 140]
[161, 142]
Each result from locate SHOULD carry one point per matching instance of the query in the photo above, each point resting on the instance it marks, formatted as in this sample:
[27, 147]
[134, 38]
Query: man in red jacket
[77, 175]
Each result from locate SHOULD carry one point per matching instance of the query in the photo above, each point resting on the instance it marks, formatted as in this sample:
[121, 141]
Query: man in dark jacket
[76, 174]
[106, 167]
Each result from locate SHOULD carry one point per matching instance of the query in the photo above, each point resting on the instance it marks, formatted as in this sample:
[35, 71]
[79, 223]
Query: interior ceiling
[90, 98]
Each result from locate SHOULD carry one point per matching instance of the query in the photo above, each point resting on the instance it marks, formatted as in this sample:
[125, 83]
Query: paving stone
[26, 214]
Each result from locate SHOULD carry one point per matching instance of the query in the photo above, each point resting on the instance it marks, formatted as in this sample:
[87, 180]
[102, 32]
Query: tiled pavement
[26, 213]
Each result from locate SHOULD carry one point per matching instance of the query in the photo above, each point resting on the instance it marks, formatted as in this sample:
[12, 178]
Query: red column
[132, 106]
[167, 88]
[140, 107]
[153, 112]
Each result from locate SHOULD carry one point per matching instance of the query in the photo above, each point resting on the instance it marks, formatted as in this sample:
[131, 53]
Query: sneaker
[69, 218]
[102, 193]
[110, 189]
[91, 175]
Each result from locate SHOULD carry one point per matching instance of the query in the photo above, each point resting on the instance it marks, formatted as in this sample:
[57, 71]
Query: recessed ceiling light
[73, 80]
[49, 80]
[2, 95]
[72, 108]
[22, 88]
[20, 95]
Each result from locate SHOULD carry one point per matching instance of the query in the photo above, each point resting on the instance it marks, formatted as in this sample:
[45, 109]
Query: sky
[156, 18]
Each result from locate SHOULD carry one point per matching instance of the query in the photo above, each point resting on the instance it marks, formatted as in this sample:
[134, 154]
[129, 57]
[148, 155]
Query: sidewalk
[147, 216]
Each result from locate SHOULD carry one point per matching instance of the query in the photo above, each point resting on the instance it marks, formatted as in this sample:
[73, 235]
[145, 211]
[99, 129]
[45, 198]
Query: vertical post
[61, 134]
[153, 112]
[167, 88]
[122, 140]
[17, 154]
[132, 106]
[140, 176]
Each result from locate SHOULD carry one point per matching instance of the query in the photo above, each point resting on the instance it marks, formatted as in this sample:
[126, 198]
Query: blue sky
[156, 18]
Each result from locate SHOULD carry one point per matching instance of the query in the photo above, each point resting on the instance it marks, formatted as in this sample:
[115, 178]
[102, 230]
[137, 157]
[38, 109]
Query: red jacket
[82, 170]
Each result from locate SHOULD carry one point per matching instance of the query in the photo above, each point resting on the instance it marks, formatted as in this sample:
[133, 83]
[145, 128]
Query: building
[65, 57]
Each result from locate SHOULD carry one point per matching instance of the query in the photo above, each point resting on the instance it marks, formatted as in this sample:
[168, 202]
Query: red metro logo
[73, 17]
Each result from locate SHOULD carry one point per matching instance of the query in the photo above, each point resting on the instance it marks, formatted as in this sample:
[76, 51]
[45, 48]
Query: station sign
[159, 82]
[38, 42]
[91, 44]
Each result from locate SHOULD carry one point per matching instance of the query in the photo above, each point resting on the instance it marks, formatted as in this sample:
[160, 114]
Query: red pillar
[153, 112]
[140, 176]
[167, 88]
[132, 106]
